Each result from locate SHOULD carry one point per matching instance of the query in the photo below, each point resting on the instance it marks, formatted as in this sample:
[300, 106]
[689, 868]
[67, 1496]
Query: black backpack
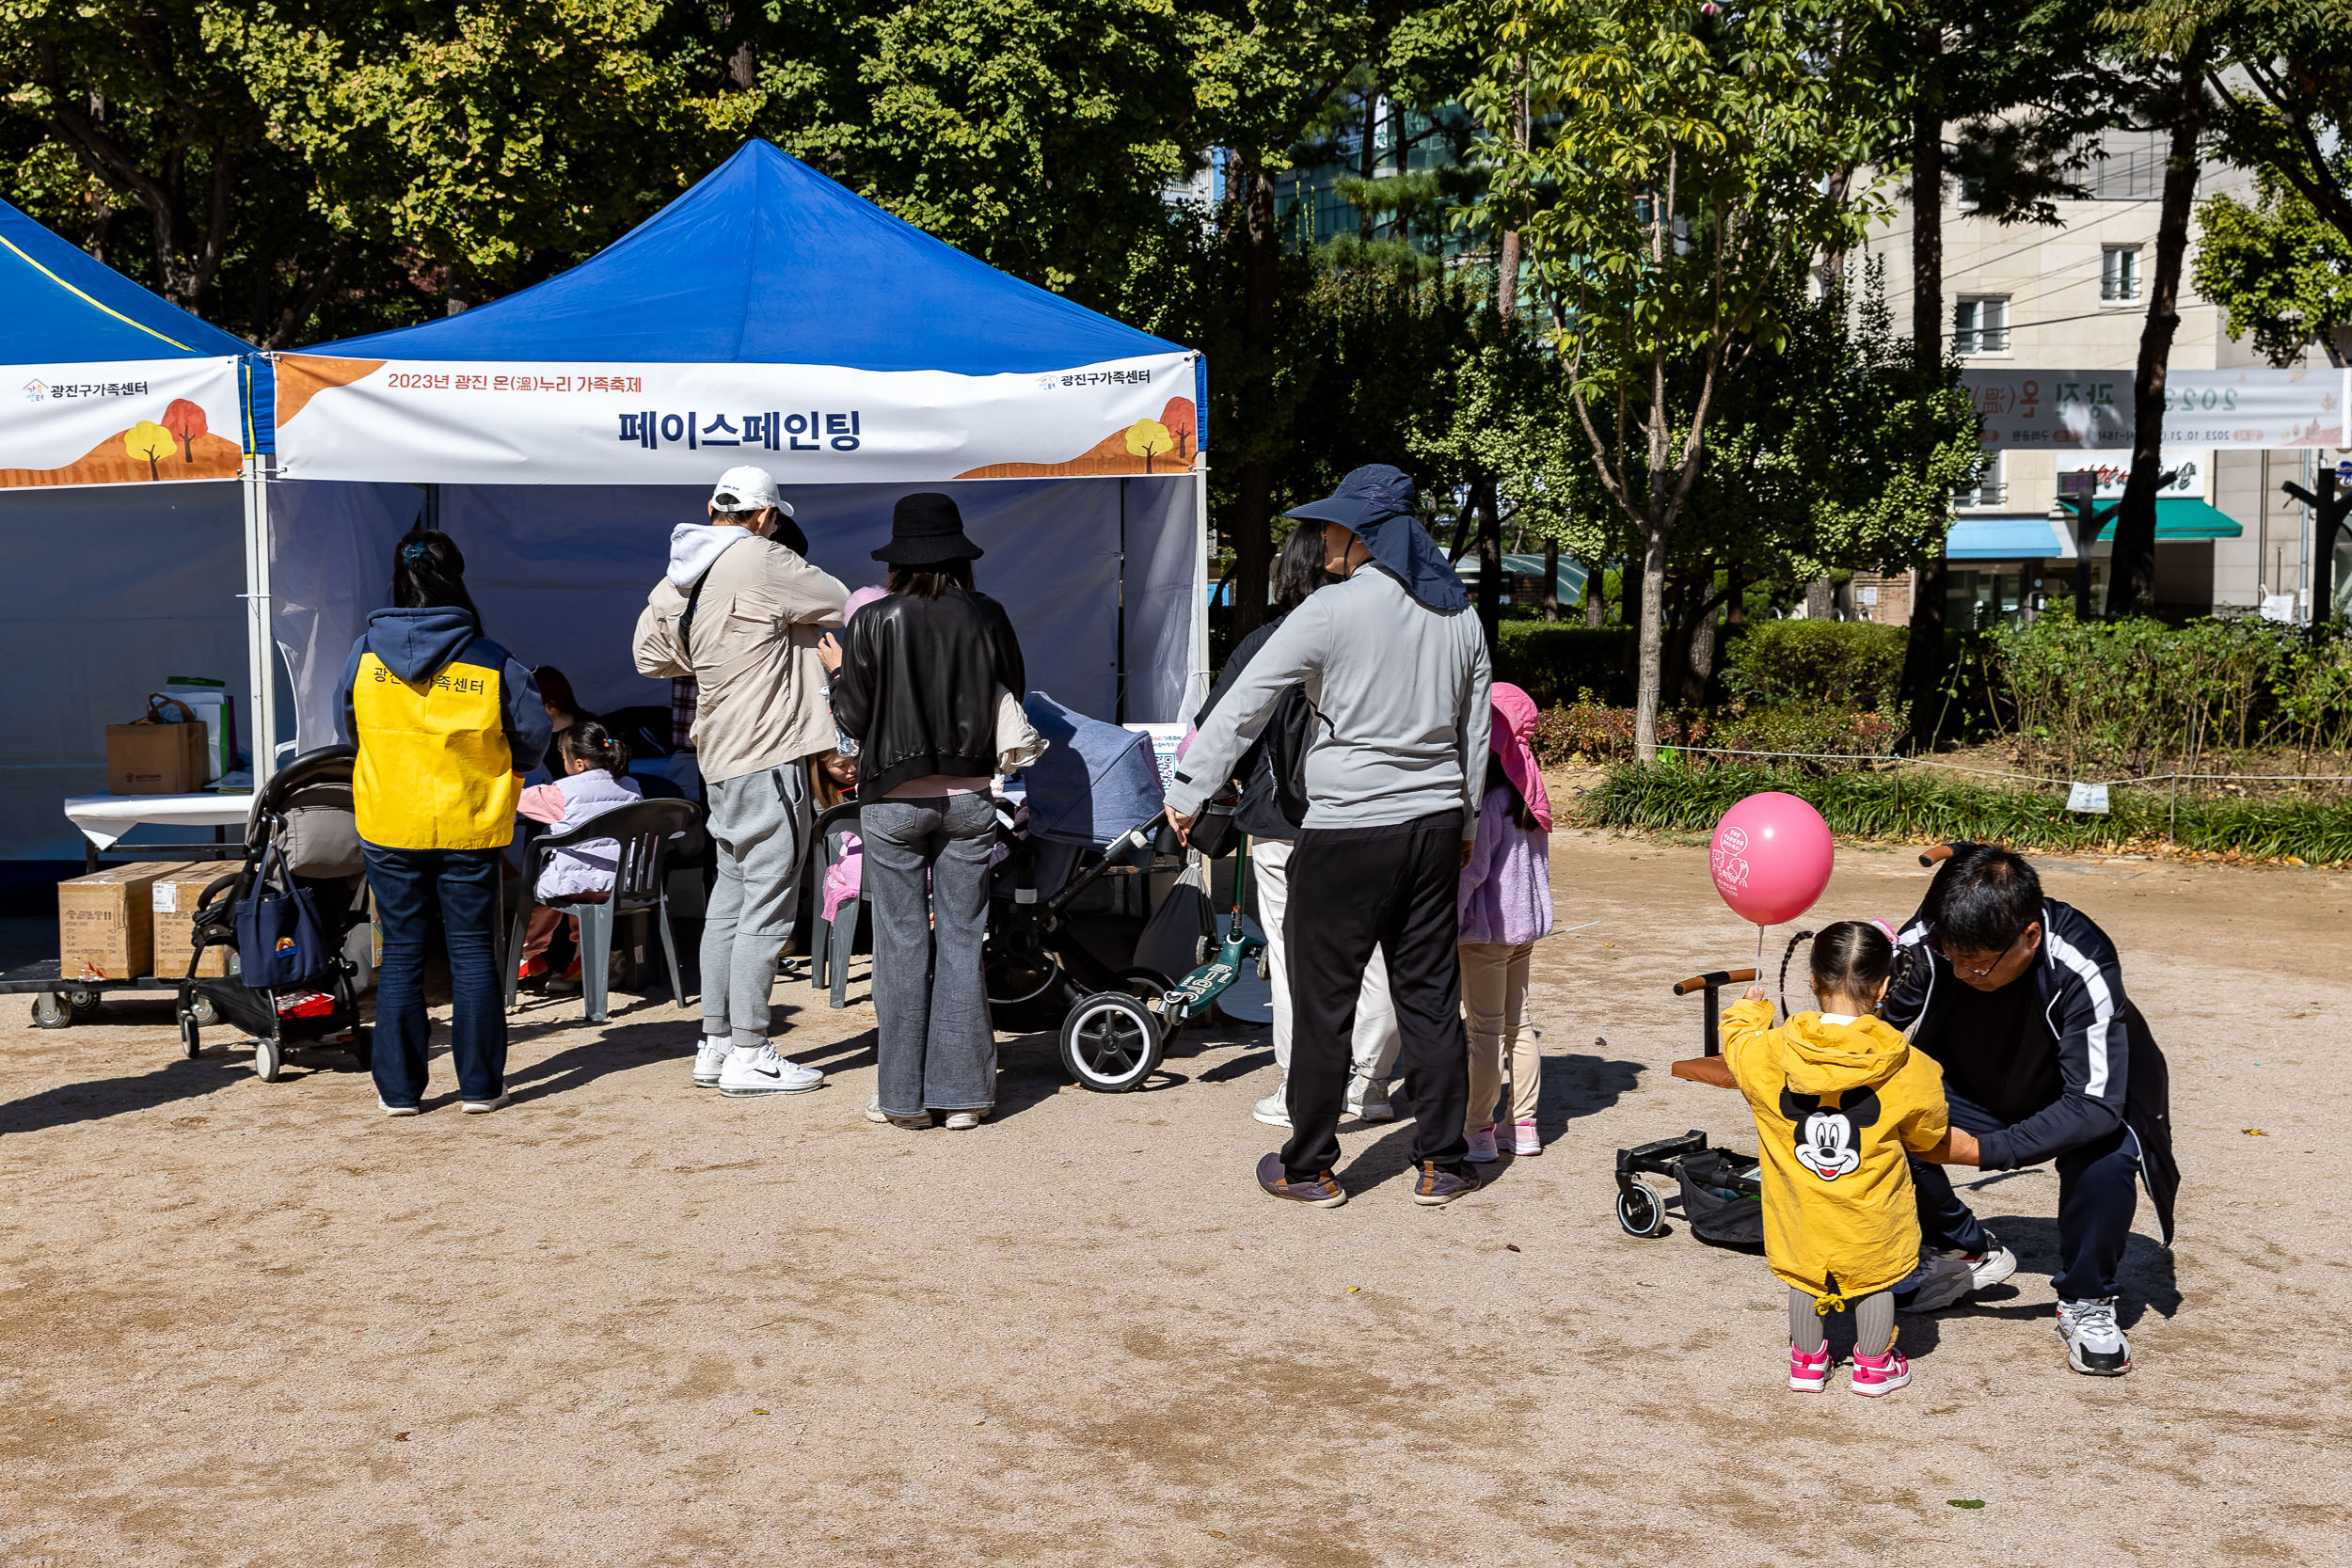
[1289, 734]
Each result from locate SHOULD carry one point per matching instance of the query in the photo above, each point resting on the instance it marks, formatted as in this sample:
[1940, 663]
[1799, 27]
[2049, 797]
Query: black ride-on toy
[1720, 1189]
[303, 815]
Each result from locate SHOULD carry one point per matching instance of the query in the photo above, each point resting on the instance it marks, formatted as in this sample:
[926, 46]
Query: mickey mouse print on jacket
[1840, 1105]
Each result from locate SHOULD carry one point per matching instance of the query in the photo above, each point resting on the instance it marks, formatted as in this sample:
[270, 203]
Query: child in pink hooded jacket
[1505, 908]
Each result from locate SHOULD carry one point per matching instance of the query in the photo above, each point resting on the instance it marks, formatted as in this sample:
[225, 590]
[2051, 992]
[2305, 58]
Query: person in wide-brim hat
[925, 529]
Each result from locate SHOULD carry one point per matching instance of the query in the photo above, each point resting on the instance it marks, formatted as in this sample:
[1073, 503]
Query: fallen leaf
[1510, 1246]
[399, 1438]
[2253, 1132]
[756, 1411]
[1609, 945]
[1353, 1289]
[1218, 1534]
[1965, 1502]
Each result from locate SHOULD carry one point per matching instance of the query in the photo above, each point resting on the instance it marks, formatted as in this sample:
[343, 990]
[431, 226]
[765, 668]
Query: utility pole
[2329, 511]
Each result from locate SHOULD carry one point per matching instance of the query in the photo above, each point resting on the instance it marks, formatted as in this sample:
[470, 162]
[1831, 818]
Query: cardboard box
[173, 900]
[156, 759]
[106, 923]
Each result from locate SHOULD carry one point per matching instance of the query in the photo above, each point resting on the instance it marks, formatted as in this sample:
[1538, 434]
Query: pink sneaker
[1482, 1147]
[1877, 1376]
[1525, 1139]
[1808, 1373]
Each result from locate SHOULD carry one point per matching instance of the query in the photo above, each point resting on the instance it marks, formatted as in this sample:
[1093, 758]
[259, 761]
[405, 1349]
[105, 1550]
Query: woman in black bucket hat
[919, 672]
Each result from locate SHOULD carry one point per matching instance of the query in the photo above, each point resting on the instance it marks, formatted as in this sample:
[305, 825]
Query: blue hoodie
[446, 721]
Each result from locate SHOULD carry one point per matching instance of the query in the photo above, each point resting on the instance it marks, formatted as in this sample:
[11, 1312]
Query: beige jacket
[762, 691]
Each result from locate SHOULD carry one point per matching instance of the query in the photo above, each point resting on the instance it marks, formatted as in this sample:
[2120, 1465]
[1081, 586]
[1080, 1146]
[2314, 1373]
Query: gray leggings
[1873, 1323]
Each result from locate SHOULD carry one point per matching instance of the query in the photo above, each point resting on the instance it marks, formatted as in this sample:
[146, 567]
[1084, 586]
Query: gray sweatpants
[758, 827]
[936, 1049]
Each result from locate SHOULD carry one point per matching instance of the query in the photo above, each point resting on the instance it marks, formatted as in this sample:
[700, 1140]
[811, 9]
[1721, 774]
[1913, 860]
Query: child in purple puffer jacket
[1505, 906]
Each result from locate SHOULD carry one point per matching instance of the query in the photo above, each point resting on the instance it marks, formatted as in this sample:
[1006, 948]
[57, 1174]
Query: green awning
[2181, 518]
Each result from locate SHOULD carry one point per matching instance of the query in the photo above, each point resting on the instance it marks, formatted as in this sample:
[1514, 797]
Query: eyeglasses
[1987, 969]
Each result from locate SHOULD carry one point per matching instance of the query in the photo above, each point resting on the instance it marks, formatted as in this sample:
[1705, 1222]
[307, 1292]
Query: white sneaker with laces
[1991, 1266]
[1939, 1281]
[1274, 1109]
[710, 1061]
[763, 1072]
[2095, 1345]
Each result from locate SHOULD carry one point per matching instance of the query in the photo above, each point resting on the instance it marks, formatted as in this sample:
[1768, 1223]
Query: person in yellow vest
[1841, 1102]
[446, 723]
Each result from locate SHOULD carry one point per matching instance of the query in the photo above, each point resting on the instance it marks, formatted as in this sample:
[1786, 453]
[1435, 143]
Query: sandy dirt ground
[626, 1322]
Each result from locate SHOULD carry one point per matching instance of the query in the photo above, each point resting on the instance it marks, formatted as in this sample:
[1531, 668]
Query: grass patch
[1908, 808]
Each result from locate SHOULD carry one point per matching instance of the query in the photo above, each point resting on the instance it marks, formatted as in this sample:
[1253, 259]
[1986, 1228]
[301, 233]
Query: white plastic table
[104, 820]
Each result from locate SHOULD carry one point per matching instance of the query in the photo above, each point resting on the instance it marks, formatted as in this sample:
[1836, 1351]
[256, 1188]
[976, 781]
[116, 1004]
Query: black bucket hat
[925, 530]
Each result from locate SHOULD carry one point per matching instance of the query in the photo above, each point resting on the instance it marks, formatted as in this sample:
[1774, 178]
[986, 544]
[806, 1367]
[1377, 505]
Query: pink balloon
[1771, 858]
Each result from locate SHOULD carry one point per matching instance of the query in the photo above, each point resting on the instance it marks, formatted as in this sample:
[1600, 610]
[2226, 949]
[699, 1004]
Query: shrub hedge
[1847, 664]
[1888, 805]
[1554, 661]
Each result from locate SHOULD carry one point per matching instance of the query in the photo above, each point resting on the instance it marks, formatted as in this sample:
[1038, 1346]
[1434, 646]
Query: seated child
[595, 780]
[1840, 1100]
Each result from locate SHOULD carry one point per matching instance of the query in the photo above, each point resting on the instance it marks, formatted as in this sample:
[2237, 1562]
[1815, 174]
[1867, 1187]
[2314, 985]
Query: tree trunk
[2132, 570]
[1551, 581]
[1507, 261]
[1923, 654]
[1820, 600]
[1490, 561]
[1595, 599]
[1253, 520]
[1650, 636]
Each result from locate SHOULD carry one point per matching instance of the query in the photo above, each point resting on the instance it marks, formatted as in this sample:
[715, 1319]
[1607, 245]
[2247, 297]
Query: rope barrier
[1901, 762]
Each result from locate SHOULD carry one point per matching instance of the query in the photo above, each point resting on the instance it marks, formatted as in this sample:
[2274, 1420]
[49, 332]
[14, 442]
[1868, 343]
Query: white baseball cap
[747, 490]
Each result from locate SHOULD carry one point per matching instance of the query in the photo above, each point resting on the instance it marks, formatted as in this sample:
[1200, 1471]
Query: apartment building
[2074, 297]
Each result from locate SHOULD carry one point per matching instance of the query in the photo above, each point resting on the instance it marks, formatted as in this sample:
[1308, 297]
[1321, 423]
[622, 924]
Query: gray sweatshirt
[1404, 689]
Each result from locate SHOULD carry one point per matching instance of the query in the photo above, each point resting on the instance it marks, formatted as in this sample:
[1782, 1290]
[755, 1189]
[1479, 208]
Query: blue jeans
[2098, 1193]
[464, 885]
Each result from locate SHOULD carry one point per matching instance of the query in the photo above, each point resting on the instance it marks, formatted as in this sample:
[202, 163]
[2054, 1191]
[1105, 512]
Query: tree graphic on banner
[1177, 417]
[1146, 438]
[185, 421]
[149, 440]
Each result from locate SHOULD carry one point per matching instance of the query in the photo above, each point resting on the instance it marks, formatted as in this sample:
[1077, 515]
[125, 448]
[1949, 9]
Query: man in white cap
[740, 611]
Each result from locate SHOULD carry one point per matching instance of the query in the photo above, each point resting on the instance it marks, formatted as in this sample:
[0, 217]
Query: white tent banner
[467, 423]
[120, 421]
[2090, 411]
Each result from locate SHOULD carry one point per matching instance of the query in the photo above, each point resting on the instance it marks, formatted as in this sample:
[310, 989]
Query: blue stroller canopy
[1095, 781]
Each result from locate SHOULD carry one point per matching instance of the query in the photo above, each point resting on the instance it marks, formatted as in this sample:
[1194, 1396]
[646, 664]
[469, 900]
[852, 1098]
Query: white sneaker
[1371, 1110]
[763, 1072]
[391, 1110]
[1525, 1139]
[1273, 1110]
[482, 1107]
[1936, 1284]
[710, 1061]
[2095, 1345]
[1991, 1266]
[964, 1121]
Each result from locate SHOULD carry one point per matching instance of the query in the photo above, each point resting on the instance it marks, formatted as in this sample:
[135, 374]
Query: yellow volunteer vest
[435, 769]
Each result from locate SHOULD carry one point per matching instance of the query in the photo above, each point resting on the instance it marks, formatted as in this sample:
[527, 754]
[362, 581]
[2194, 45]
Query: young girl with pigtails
[1841, 1100]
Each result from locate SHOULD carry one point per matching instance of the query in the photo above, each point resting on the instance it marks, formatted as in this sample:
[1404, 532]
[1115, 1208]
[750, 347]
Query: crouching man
[2021, 1000]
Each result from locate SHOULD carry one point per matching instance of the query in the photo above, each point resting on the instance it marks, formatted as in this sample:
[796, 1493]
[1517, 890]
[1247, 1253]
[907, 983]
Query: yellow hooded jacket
[1837, 1108]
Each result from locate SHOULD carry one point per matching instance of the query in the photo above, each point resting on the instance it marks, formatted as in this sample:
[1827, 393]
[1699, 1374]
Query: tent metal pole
[1196, 685]
[261, 634]
[1118, 702]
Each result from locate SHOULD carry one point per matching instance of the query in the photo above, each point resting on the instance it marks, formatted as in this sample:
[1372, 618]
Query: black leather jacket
[917, 687]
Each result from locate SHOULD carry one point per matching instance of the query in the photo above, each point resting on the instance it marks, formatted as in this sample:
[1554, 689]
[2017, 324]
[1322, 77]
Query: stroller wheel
[269, 1060]
[204, 1010]
[1639, 1211]
[191, 1037]
[1110, 1042]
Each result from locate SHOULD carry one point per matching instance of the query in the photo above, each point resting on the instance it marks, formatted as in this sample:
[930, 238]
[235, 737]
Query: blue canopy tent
[767, 316]
[127, 507]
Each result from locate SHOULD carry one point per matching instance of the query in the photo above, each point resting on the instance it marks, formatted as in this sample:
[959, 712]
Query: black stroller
[304, 814]
[1722, 1191]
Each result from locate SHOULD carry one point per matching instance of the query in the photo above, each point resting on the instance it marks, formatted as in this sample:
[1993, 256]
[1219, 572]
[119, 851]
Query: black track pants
[1397, 888]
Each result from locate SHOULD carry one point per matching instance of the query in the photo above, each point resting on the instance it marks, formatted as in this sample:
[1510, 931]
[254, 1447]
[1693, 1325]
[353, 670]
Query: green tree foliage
[2283, 276]
[1691, 167]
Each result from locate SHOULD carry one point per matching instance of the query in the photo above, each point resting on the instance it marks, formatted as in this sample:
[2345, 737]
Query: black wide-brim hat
[925, 530]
